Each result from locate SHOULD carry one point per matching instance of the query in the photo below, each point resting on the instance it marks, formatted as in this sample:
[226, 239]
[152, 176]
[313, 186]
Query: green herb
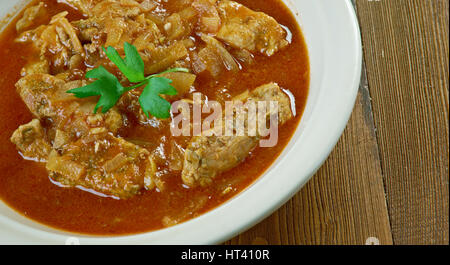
[108, 87]
[132, 67]
[150, 100]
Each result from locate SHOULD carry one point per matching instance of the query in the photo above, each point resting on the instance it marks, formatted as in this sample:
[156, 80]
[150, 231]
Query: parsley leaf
[133, 65]
[107, 86]
[151, 101]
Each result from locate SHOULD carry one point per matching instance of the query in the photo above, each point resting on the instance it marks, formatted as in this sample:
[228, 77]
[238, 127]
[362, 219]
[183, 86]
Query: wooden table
[388, 176]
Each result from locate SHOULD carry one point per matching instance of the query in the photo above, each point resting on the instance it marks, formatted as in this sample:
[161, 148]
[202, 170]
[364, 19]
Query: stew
[108, 164]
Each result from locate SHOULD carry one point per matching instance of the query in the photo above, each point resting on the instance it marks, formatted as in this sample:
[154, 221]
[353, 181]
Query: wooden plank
[406, 51]
[344, 203]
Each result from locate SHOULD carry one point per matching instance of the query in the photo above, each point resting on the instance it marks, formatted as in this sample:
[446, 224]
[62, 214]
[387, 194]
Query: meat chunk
[30, 140]
[46, 97]
[272, 92]
[207, 156]
[31, 17]
[79, 117]
[244, 28]
[104, 163]
[39, 67]
[58, 43]
[106, 31]
[120, 21]
[38, 91]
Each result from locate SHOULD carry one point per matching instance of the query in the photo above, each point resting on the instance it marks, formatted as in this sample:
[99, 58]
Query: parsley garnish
[108, 87]
[150, 100]
[132, 67]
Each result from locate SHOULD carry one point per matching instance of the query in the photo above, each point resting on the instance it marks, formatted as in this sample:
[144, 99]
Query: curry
[81, 158]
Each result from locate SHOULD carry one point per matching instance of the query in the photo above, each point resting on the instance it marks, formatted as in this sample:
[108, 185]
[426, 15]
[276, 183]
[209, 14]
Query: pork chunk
[104, 163]
[30, 140]
[246, 29]
[38, 91]
[39, 67]
[31, 17]
[46, 98]
[58, 44]
[207, 156]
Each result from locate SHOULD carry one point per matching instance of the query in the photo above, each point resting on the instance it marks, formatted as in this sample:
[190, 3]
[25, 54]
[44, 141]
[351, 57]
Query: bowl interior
[332, 35]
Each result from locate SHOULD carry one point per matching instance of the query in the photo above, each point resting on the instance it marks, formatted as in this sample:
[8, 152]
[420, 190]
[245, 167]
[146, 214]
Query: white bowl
[333, 38]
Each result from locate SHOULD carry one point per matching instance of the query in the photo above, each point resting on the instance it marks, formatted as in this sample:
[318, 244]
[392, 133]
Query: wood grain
[344, 202]
[406, 51]
[388, 176]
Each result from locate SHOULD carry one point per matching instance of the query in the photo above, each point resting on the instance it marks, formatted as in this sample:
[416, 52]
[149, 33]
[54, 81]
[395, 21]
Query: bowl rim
[226, 222]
